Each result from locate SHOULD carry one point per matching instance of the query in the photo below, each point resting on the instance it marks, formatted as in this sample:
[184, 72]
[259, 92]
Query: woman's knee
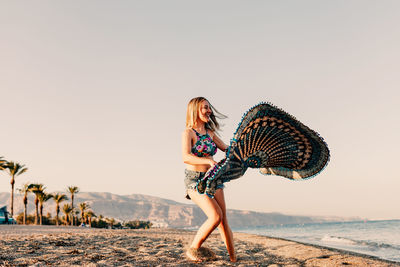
[223, 224]
[217, 217]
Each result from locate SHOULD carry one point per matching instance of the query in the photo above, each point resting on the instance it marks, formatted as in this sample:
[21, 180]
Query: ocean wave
[337, 239]
[364, 243]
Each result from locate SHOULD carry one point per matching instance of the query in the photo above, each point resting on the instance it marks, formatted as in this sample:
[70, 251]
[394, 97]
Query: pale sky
[94, 94]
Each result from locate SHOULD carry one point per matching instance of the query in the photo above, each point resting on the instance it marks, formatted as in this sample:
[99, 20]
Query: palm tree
[89, 214]
[73, 190]
[37, 189]
[14, 169]
[43, 197]
[83, 207]
[67, 209]
[25, 190]
[58, 198]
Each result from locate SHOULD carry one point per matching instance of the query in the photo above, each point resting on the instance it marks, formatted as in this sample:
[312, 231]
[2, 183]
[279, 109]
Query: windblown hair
[192, 114]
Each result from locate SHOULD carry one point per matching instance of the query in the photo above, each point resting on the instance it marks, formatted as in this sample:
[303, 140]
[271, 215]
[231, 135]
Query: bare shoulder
[211, 133]
[187, 132]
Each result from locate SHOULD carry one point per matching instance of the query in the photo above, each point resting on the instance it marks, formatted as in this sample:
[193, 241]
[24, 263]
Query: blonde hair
[192, 114]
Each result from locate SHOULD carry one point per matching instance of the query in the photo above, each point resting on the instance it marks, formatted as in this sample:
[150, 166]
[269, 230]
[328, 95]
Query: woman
[199, 144]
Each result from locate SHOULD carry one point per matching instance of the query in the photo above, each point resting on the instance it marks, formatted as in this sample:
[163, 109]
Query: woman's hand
[212, 162]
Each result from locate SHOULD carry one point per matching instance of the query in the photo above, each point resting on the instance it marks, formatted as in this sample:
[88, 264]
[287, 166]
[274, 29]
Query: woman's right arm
[187, 156]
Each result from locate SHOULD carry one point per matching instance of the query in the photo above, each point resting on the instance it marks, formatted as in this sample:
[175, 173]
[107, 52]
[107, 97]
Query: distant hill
[163, 212]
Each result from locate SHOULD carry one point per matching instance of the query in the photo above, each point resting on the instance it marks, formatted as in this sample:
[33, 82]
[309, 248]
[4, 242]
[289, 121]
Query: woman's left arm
[220, 144]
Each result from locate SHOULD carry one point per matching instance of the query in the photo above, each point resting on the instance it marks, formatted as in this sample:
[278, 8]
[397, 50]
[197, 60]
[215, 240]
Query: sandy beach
[66, 246]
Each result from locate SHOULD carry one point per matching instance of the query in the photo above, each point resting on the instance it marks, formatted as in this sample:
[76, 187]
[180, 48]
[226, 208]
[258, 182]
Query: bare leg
[223, 227]
[214, 216]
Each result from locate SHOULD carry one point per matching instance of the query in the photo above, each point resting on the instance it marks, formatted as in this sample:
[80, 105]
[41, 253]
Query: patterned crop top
[204, 146]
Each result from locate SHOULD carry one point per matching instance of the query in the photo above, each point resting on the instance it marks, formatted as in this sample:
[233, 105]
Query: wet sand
[66, 246]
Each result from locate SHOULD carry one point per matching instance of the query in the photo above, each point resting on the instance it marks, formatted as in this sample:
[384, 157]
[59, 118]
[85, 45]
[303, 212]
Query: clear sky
[94, 94]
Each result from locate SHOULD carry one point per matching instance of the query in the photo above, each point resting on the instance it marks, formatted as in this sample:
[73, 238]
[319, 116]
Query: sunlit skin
[214, 208]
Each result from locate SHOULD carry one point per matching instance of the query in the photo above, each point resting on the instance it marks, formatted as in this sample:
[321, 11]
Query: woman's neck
[200, 126]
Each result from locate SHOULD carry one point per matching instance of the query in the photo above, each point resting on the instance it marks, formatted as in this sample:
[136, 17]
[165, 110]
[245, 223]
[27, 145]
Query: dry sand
[66, 246]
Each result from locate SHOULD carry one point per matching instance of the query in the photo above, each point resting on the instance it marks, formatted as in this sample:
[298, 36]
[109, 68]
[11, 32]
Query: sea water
[376, 238]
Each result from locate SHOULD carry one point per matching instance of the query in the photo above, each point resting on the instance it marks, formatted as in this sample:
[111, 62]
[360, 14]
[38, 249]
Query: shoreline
[339, 250]
[50, 245]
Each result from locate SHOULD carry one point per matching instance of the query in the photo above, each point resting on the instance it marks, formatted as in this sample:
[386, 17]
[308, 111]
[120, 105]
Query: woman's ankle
[200, 254]
[195, 246]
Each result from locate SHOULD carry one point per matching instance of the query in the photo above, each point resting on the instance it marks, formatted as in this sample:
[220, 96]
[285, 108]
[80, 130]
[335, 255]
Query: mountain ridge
[164, 212]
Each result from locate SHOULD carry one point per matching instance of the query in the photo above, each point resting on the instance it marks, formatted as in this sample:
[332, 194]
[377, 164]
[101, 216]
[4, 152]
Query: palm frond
[43, 197]
[90, 213]
[58, 197]
[37, 188]
[3, 163]
[14, 168]
[84, 206]
[73, 189]
[67, 209]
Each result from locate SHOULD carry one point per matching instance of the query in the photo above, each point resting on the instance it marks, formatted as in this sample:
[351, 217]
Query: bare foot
[192, 255]
[233, 259]
[200, 254]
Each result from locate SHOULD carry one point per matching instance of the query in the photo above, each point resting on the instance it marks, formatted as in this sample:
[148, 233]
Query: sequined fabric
[273, 141]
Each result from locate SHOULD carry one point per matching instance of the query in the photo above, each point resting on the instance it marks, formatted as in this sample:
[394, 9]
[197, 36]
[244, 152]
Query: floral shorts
[192, 178]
